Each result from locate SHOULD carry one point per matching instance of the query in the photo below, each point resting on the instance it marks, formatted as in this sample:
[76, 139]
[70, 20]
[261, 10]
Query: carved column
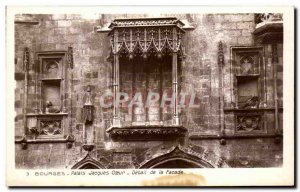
[221, 90]
[26, 68]
[70, 85]
[175, 88]
[116, 87]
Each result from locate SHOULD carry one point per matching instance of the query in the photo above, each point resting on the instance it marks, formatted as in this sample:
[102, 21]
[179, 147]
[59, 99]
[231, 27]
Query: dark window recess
[143, 76]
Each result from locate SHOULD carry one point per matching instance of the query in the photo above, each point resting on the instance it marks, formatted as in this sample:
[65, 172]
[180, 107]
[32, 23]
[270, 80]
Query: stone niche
[248, 99]
[50, 117]
[51, 93]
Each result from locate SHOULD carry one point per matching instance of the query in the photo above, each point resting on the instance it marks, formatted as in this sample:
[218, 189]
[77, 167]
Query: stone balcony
[143, 133]
[269, 27]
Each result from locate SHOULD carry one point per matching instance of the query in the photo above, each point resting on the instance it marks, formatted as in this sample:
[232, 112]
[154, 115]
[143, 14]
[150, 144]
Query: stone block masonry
[199, 74]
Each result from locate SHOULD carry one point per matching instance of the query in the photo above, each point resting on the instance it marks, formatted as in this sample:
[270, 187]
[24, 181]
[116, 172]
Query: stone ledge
[236, 136]
[27, 22]
[143, 133]
[69, 140]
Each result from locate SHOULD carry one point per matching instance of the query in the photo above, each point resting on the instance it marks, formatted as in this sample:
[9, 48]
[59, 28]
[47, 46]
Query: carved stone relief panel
[50, 126]
[249, 122]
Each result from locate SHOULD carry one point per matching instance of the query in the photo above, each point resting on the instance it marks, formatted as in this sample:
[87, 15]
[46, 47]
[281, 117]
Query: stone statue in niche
[50, 108]
[88, 106]
[253, 102]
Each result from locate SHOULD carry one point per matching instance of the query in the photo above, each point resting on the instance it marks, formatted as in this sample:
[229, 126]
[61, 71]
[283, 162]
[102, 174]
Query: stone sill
[146, 133]
[69, 140]
[46, 114]
[27, 22]
[45, 140]
[51, 79]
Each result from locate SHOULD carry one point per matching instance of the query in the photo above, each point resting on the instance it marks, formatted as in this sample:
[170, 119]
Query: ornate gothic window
[146, 56]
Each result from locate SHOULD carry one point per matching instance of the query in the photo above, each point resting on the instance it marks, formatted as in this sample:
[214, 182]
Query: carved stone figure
[50, 108]
[88, 106]
[253, 102]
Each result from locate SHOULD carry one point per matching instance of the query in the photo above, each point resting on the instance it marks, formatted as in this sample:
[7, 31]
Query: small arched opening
[88, 163]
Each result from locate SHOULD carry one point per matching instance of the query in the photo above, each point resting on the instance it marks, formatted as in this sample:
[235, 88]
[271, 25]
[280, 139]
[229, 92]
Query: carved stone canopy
[146, 36]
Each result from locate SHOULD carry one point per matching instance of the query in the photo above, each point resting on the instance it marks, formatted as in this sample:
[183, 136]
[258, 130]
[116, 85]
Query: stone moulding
[141, 133]
[24, 141]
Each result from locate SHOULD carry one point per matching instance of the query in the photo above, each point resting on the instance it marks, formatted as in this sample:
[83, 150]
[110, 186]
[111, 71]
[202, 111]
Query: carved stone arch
[88, 163]
[137, 48]
[186, 157]
[124, 49]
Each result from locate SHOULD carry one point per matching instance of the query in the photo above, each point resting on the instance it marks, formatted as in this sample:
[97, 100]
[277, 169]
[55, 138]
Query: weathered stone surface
[199, 74]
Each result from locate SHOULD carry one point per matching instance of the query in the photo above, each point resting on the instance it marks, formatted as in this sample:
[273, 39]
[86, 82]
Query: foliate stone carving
[144, 36]
[249, 122]
[146, 22]
[220, 54]
[50, 127]
[70, 57]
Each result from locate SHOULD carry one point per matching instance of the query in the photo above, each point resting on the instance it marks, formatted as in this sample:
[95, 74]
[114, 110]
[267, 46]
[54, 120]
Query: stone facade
[222, 132]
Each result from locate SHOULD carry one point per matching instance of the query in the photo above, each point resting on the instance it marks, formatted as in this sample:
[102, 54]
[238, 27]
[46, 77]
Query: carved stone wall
[90, 67]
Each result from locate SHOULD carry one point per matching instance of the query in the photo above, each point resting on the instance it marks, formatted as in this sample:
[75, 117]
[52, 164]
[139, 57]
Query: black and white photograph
[165, 93]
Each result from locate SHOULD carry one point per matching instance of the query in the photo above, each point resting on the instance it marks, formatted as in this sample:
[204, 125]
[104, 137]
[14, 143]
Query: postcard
[150, 96]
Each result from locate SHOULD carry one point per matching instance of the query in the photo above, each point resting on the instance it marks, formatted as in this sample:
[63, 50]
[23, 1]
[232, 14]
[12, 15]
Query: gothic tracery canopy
[145, 36]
